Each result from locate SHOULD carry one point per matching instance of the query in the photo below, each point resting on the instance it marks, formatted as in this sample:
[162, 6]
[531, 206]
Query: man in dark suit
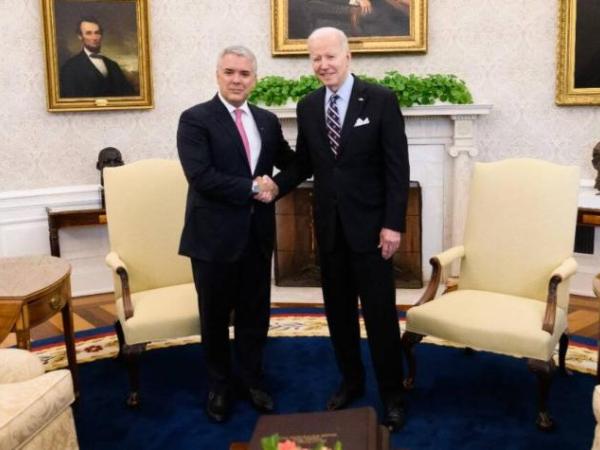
[351, 138]
[228, 149]
[90, 74]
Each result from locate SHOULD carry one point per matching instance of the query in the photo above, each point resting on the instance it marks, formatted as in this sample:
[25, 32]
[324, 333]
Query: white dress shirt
[98, 62]
[250, 128]
[344, 92]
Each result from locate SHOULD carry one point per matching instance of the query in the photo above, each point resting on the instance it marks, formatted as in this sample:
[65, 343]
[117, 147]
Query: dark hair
[90, 19]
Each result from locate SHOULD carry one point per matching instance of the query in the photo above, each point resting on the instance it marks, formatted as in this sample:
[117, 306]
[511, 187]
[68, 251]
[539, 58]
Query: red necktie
[243, 135]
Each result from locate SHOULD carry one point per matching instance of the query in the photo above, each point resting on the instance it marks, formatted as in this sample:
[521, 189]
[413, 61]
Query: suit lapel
[224, 119]
[317, 112]
[320, 114]
[356, 105]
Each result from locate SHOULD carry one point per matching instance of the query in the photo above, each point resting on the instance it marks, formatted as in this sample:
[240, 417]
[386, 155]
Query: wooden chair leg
[543, 370]
[563, 345]
[120, 338]
[131, 354]
[409, 340]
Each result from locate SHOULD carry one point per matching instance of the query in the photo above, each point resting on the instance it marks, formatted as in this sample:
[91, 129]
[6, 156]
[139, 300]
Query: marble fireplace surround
[442, 145]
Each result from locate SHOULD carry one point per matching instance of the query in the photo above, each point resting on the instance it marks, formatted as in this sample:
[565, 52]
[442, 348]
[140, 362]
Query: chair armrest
[447, 256]
[566, 269]
[114, 262]
[18, 365]
[438, 262]
[562, 272]
[118, 266]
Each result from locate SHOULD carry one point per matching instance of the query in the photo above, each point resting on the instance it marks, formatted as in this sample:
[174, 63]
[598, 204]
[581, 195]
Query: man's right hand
[268, 189]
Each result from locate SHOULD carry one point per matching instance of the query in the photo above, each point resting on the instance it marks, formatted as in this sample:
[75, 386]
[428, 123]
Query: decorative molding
[289, 111]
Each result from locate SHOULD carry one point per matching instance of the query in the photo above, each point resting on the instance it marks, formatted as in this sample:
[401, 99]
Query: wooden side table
[41, 285]
[64, 217]
[9, 313]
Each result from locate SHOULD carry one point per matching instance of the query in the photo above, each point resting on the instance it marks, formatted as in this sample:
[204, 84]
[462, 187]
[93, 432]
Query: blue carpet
[461, 401]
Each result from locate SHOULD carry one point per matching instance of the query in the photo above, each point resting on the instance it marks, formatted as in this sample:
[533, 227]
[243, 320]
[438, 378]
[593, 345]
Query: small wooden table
[9, 313]
[68, 217]
[41, 286]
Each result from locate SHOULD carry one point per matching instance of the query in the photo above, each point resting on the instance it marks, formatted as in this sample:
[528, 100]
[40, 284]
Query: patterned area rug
[581, 356]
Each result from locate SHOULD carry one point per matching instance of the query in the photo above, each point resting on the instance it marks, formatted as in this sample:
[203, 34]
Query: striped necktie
[332, 120]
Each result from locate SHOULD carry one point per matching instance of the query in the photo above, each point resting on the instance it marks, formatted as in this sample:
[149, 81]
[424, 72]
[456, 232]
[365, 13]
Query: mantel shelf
[289, 111]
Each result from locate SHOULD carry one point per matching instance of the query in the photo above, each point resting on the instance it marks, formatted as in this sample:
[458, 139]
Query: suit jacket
[367, 185]
[219, 202]
[80, 78]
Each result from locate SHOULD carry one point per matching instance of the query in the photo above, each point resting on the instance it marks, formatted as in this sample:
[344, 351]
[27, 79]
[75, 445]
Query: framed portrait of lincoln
[97, 55]
[372, 26]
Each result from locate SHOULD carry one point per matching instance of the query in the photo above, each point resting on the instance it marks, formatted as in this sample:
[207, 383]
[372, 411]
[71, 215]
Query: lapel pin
[360, 99]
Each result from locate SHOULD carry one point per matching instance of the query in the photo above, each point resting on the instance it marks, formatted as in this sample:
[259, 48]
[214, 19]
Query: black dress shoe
[261, 400]
[343, 396]
[218, 406]
[395, 416]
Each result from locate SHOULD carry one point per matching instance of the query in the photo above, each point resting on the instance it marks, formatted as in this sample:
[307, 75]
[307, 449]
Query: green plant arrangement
[409, 89]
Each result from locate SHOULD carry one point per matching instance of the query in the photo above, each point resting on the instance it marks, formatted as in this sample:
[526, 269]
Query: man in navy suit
[90, 74]
[351, 138]
[228, 149]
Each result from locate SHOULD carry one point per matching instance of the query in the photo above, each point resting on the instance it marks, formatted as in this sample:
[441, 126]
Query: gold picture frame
[97, 55]
[381, 27]
[578, 53]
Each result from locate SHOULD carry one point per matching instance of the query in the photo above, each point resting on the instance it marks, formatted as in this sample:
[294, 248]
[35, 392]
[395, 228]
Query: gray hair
[238, 50]
[327, 31]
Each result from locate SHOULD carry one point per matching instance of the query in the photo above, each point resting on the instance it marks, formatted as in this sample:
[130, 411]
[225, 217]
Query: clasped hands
[268, 189]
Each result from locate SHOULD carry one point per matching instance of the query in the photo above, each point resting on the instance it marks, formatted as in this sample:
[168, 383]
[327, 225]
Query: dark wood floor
[99, 310]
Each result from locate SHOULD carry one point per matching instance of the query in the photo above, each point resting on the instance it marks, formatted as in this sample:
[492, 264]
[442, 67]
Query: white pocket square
[360, 122]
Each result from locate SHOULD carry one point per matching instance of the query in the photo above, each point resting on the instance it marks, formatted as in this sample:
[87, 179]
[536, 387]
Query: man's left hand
[389, 241]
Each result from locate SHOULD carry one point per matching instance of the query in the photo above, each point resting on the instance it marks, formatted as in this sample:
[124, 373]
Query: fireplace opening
[296, 252]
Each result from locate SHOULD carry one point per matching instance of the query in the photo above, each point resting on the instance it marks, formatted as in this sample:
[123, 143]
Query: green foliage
[304, 85]
[272, 90]
[270, 442]
[413, 89]
[409, 89]
[368, 79]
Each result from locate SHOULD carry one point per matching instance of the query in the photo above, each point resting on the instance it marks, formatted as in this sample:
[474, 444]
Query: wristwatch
[255, 188]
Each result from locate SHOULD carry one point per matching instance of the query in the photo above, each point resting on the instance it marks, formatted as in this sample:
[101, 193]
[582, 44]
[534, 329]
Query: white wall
[505, 51]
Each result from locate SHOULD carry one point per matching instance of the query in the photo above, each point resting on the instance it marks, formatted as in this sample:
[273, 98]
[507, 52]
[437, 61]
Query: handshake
[267, 189]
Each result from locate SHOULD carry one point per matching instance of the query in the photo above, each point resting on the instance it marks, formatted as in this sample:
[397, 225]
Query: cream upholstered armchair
[512, 294]
[154, 289]
[35, 407]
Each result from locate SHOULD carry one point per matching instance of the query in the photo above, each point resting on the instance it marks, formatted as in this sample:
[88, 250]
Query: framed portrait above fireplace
[372, 26]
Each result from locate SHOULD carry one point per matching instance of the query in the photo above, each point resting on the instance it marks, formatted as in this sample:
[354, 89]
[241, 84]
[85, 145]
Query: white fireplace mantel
[442, 145]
